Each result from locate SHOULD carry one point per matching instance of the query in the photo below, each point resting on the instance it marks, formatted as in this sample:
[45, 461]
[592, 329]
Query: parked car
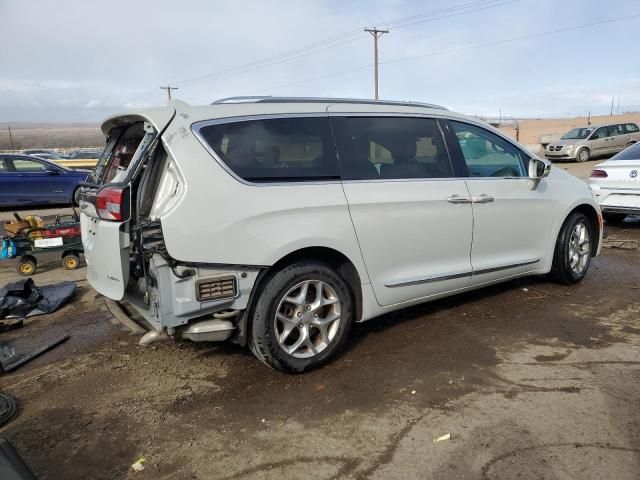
[83, 154]
[279, 222]
[616, 184]
[28, 180]
[46, 154]
[583, 143]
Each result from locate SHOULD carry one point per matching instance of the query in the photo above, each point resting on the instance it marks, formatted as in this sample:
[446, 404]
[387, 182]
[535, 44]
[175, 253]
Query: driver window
[599, 133]
[488, 155]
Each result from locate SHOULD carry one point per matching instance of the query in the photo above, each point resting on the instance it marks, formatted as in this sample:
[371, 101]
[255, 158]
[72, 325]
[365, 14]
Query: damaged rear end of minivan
[134, 185]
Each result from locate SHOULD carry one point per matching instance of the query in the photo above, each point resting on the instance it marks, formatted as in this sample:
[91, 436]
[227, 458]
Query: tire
[583, 155]
[272, 339]
[70, 261]
[27, 266]
[567, 248]
[629, 144]
[614, 218]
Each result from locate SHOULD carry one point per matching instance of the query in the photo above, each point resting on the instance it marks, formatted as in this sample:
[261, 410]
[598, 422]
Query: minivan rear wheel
[572, 255]
[302, 317]
[583, 155]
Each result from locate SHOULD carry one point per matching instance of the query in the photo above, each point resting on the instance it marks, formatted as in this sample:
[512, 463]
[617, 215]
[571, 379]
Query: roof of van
[249, 106]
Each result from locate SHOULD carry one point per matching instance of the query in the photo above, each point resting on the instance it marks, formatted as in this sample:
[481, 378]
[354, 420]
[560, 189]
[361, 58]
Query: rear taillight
[111, 204]
[598, 174]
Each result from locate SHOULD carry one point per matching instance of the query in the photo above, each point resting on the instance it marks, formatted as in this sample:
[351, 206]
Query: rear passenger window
[390, 148]
[488, 155]
[279, 149]
[28, 166]
[615, 130]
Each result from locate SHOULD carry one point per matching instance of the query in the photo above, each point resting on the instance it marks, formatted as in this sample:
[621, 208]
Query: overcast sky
[80, 60]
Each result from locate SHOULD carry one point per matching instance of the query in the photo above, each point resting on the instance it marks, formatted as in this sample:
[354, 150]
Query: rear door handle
[458, 199]
[484, 198]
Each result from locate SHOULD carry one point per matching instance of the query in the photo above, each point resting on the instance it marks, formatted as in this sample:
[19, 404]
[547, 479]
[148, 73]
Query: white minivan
[278, 222]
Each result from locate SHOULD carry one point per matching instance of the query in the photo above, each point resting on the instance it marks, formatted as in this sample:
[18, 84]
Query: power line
[455, 50]
[341, 39]
[514, 39]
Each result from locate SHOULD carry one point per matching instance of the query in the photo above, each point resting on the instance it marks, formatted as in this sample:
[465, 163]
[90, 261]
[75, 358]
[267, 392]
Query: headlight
[568, 147]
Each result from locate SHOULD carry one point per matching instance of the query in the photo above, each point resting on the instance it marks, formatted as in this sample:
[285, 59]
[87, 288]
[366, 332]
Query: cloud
[73, 60]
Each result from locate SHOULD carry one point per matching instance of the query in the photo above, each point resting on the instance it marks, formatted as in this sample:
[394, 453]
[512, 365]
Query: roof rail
[270, 99]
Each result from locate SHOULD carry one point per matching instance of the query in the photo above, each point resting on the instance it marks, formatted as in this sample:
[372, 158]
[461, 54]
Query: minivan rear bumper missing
[169, 302]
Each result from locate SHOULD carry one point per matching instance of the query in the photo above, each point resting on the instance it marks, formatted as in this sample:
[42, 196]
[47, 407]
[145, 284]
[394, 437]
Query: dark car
[46, 154]
[84, 155]
[27, 180]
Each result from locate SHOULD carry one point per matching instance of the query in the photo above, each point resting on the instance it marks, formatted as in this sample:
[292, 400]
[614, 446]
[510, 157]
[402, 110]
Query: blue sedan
[27, 180]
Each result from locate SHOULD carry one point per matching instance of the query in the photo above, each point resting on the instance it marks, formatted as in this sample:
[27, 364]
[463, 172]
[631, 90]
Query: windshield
[577, 133]
[630, 153]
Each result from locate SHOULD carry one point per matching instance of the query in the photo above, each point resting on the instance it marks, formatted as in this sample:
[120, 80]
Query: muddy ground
[531, 379]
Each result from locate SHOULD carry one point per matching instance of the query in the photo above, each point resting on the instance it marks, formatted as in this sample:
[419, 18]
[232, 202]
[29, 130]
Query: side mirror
[538, 168]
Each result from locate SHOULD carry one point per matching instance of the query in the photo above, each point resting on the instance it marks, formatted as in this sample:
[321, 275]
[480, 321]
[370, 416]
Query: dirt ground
[531, 379]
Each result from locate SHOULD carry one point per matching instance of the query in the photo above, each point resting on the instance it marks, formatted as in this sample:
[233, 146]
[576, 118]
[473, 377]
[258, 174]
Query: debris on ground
[138, 465]
[442, 438]
[23, 298]
[10, 360]
[7, 408]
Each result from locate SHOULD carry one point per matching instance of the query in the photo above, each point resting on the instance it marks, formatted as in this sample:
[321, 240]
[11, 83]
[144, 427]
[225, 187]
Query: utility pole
[168, 88]
[618, 107]
[611, 114]
[13, 149]
[376, 35]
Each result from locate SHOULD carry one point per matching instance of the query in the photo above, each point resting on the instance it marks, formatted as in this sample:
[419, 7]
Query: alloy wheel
[307, 318]
[579, 248]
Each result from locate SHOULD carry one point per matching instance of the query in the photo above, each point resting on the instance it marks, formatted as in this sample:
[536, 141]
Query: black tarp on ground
[23, 298]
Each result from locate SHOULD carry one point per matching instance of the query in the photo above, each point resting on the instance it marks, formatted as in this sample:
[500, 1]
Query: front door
[600, 142]
[35, 181]
[512, 222]
[410, 213]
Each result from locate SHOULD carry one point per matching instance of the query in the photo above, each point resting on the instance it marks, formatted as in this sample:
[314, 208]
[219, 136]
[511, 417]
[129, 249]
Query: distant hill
[51, 135]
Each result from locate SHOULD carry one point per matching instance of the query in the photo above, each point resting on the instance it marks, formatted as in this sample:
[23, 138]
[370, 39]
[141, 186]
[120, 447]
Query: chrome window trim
[197, 126]
[450, 276]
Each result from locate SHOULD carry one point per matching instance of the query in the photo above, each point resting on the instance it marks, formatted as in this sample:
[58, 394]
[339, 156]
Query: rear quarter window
[276, 149]
[630, 153]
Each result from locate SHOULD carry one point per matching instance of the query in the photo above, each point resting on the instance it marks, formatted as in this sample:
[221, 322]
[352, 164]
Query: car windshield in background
[630, 153]
[577, 134]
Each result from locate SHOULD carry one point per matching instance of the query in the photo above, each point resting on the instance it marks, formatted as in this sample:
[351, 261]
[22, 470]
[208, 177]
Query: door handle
[458, 199]
[484, 198]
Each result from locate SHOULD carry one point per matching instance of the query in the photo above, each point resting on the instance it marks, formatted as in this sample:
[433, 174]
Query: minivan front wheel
[302, 317]
[583, 155]
[572, 255]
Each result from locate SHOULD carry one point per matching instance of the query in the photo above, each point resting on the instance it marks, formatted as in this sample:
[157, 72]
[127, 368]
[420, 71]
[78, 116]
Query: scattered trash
[23, 298]
[525, 289]
[7, 408]
[413, 392]
[263, 420]
[450, 382]
[138, 466]
[442, 438]
[9, 360]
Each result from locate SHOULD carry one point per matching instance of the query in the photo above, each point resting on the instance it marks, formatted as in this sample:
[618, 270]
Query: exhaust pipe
[152, 337]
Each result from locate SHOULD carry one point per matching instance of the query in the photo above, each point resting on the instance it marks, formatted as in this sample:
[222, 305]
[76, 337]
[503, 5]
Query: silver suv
[583, 143]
